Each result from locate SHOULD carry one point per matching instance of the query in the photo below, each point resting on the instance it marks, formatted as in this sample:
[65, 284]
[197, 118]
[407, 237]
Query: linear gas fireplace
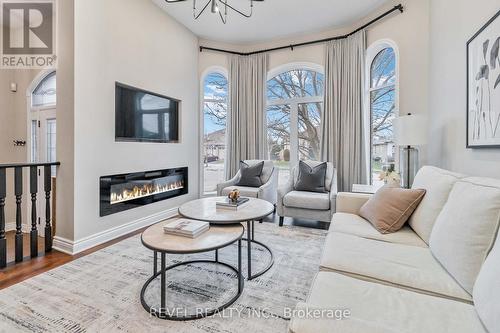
[131, 190]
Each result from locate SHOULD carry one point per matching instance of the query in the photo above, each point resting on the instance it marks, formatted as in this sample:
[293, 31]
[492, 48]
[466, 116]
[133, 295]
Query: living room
[317, 153]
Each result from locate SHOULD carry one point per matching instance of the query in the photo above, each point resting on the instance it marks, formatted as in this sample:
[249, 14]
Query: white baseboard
[73, 247]
[11, 226]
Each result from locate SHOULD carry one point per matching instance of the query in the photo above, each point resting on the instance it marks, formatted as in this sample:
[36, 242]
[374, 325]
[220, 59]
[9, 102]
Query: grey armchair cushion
[307, 200]
[311, 179]
[267, 170]
[250, 174]
[330, 174]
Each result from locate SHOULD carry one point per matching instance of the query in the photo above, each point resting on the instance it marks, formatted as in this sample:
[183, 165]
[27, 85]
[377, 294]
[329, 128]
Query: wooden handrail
[27, 165]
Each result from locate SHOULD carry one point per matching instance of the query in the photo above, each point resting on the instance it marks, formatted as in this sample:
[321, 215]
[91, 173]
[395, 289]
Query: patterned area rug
[101, 292]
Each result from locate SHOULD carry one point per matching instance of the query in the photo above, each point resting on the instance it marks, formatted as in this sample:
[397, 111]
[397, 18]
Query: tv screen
[142, 116]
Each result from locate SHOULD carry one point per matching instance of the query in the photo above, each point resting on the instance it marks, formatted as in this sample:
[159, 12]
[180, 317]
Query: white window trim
[372, 51]
[201, 130]
[293, 102]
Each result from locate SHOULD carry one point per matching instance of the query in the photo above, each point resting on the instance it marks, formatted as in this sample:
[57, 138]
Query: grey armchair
[269, 178]
[308, 205]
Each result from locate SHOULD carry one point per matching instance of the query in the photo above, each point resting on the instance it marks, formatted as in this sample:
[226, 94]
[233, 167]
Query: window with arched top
[294, 112]
[382, 68]
[45, 93]
[215, 99]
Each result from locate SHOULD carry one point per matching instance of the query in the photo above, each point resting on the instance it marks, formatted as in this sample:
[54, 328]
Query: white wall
[14, 126]
[133, 42]
[452, 23]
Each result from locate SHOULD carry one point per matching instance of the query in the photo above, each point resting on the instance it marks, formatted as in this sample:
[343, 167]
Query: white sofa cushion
[379, 307]
[466, 228]
[404, 266]
[355, 225]
[245, 191]
[307, 200]
[438, 184]
[487, 290]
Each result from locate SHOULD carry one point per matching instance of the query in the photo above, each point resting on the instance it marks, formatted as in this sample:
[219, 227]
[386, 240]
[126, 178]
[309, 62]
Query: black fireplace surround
[131, 190]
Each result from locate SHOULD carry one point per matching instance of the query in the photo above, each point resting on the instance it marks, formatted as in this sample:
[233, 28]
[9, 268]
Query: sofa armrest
[282, 191]
[269, 190]
[231, 182]
[351, 202]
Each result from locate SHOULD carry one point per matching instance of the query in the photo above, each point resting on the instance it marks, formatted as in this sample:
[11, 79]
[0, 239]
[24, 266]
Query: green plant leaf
[494, 53]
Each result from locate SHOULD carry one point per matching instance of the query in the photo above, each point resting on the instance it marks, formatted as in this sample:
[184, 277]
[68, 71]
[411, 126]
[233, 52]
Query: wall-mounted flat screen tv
[143, 116]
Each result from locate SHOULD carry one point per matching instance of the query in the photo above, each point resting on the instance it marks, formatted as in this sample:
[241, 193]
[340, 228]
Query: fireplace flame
[144, 191]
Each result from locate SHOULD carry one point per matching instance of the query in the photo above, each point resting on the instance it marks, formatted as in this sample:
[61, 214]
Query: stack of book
[186, 228]
[232, 205]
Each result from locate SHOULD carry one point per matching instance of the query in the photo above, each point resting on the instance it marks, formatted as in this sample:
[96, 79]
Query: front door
[43, 149]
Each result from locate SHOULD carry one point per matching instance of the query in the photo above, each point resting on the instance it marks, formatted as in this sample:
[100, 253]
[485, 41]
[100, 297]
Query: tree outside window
[294, 111]
[382, 111]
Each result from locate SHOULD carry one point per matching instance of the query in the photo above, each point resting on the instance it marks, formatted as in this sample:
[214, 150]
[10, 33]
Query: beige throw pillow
[390, 208]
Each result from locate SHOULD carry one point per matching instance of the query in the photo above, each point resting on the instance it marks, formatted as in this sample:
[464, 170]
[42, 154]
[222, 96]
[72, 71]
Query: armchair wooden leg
[281, 220]
[274, 211]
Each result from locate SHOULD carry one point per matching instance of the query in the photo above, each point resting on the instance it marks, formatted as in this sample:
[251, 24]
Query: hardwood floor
[15, 273]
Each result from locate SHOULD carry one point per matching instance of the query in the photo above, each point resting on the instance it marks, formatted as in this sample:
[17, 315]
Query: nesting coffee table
[217, 237]
[255, 210]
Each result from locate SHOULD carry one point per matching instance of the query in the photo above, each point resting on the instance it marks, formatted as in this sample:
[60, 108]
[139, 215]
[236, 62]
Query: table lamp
[410, 131]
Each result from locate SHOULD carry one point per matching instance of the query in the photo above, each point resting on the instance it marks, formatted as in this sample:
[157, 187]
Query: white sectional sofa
[440, 273]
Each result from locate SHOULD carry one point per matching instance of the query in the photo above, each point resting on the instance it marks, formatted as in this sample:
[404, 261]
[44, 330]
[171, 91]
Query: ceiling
[271, 20]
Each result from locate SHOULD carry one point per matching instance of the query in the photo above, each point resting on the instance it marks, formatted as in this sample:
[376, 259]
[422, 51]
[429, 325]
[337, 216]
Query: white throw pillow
[437, 183]
[466, 228]
[487, 290]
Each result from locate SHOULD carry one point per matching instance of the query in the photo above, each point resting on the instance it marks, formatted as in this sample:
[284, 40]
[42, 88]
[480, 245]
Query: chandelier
[220, 7]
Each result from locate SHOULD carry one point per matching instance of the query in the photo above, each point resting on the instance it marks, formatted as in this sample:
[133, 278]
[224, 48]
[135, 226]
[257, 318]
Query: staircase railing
[33, 169]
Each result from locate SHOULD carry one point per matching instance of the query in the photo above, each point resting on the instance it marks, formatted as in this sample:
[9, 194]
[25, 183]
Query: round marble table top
[206, 210]
[215, 238]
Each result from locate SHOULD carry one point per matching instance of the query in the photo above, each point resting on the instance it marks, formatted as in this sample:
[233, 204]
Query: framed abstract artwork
[483, 86]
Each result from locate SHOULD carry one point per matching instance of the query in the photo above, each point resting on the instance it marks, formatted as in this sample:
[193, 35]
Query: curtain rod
[395, 8]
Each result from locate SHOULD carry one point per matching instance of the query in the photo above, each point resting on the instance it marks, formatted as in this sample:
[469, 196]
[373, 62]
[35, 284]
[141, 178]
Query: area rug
[101, 292]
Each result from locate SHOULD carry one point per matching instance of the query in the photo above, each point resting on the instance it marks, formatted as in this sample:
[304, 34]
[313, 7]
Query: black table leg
[216, 255]
[249, 250]
[240, 273]
[155, 262]
[253, 230]
[163, 282]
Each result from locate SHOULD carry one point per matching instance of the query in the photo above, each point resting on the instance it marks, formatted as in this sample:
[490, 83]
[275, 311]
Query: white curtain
[342, 139]
[246, 119]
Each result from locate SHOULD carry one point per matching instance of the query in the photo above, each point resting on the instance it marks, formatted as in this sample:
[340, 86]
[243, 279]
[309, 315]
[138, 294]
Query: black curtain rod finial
[400, 8]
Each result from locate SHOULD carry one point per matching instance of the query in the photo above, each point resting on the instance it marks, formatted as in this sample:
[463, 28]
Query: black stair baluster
[3, 241]
[18, 189]
[34, 230]
[47, 188]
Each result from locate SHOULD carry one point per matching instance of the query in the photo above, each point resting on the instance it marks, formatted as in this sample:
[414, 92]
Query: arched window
[215, 96]
[294, 109]
[382, 68]
[45, 93]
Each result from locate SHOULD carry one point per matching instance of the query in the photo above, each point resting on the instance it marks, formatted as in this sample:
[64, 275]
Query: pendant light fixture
[217, 6]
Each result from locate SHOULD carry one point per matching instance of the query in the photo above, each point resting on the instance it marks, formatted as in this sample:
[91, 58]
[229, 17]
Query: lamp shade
[410, 130]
